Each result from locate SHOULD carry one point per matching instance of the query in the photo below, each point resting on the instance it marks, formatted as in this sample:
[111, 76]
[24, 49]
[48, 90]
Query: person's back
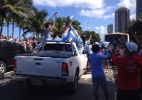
[96, 60]
[98, 76]
[49, 26]
[129, 67]
[128, 72]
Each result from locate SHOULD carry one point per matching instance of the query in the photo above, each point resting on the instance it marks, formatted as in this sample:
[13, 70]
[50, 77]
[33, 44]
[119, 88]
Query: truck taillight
[65, 69]
[14, 65]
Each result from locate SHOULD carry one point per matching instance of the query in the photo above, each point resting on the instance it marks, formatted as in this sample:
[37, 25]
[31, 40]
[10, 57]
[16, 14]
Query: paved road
[13, 90]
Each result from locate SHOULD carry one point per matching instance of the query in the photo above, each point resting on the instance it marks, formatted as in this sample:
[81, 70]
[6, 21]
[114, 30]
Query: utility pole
[87, 26]
[73, 9]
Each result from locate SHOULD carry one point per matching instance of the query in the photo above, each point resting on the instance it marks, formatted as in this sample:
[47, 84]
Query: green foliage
[136, 27]
[23, 14]
[61, 21]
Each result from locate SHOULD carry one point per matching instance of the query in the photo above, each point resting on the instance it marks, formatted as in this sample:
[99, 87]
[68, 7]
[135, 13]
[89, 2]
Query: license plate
[36, 82]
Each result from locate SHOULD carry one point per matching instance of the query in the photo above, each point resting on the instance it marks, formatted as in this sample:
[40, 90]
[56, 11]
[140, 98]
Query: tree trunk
[24, 35]
[20, 33]
[13, 24]
[7, 29]
[1, 25]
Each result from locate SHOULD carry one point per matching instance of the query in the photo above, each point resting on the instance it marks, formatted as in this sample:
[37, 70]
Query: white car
[52, 63]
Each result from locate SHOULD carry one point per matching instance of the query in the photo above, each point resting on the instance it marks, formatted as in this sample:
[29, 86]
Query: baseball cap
[132, 47]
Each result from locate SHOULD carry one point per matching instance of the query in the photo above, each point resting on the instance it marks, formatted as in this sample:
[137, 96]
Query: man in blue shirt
[98, 75]
[49, 26]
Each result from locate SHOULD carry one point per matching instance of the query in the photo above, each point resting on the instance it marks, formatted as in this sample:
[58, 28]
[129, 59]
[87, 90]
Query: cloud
[97, 13]
[101, 30]
[91, 8]
[92, 4]
[130, 4]
[108, 16]
[133, 16]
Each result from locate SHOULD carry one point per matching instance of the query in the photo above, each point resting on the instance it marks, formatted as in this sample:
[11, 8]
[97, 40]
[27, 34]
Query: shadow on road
[14, 90]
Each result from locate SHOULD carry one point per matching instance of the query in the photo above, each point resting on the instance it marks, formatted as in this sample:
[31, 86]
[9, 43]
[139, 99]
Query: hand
[52, 23]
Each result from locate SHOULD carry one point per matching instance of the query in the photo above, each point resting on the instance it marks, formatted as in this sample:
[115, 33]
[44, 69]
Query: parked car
[8, 50]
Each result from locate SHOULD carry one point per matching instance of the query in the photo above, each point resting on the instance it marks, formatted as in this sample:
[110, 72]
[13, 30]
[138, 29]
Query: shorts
[99, 81]
[128, 95]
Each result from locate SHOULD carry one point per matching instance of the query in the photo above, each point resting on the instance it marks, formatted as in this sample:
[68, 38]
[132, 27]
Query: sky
[96, 13]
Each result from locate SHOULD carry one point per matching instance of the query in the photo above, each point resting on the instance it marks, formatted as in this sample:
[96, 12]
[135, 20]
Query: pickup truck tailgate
[39, 66]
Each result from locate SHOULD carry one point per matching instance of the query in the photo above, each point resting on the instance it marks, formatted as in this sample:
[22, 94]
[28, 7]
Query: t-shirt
[96, 61]
[47, 35]
[128, 71]
[89, 49]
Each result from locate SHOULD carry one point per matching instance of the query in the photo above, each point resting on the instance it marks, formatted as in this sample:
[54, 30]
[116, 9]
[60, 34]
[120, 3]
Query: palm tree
[15, 9]
[59, 22]
[8, 21]
[2, 14]
[136, 27]
[36, 22]
[76, 25]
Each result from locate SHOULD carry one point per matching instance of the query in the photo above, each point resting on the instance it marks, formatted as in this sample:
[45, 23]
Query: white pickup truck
[52, 63]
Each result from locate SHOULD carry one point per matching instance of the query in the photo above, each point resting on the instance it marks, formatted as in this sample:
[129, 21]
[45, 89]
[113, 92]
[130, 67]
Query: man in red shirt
[129, 67]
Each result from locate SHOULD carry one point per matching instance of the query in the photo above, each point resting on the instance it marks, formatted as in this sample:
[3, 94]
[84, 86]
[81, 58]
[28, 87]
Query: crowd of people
[126, 57]
[28, 43]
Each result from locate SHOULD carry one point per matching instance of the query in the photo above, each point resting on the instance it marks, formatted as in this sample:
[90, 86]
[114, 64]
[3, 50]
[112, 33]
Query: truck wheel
[2, 67]
[72, 87]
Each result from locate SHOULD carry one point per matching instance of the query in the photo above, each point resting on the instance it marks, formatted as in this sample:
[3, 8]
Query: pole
[87, 26]
[73, 9]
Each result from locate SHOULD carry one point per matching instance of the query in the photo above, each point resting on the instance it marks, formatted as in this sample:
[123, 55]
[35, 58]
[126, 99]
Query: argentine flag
[70, 35]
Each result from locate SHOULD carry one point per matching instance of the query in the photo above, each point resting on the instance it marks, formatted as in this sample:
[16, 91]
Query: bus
[115, 36]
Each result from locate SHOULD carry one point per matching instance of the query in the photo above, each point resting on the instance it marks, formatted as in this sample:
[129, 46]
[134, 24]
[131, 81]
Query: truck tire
[72, 87]
[2, 67]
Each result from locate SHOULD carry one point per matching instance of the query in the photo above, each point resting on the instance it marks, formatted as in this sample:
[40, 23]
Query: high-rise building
[110, 28]
[138, 7]
[122, 19]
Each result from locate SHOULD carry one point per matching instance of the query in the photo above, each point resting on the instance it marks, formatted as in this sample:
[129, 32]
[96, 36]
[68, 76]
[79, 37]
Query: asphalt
[14, 89]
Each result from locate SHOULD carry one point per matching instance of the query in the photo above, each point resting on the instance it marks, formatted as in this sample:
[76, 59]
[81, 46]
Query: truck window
[58, 47]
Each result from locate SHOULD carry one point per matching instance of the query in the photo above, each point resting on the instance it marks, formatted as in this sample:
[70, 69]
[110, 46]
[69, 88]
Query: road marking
[85, 77]
[8, 72]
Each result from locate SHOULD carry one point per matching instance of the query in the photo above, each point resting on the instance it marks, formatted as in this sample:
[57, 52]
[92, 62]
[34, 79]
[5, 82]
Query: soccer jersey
[128, 71]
